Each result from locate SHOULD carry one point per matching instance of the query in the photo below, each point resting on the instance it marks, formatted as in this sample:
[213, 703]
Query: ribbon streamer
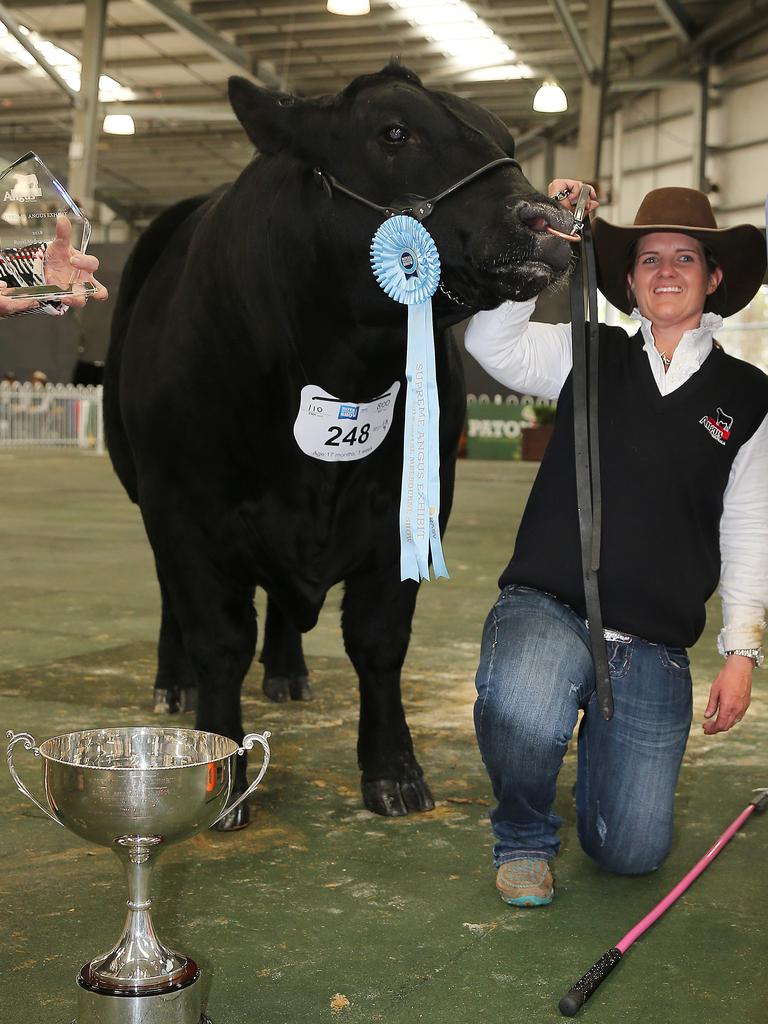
[406, 264]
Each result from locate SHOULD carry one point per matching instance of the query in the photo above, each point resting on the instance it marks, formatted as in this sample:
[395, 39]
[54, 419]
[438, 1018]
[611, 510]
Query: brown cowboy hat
[739, 251]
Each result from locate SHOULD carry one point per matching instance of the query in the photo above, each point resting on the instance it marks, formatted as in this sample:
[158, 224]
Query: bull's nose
[536, 222]
[539, 216]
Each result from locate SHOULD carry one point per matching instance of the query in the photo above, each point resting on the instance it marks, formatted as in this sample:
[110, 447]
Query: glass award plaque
[39, 225]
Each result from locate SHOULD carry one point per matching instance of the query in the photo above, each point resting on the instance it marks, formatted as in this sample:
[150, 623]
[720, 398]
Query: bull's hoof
[164, 702]
[236, 819]
[277, 688]
[188, 699]
[173, 701]
[300, 688]
[284, 688]
[393, 799]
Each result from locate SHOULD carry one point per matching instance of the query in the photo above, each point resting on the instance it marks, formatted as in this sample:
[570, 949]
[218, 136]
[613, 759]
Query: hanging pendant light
[550, 98]
[119, 124]
[348, 7]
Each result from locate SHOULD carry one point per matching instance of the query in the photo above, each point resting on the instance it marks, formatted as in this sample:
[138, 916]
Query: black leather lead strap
[585, 436]
[592, 392]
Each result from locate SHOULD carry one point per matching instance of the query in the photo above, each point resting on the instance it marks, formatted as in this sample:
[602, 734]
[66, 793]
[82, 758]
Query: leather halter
[423, 207]
[587, 452]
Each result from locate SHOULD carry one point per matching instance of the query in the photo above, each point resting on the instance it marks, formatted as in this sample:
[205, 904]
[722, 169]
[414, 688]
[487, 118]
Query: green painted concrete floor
[319, 899]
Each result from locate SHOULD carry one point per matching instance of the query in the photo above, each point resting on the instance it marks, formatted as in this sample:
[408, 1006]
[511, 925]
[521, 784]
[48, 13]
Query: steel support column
[593, 89]
[550, 171]
[85, 124]
[616, 162]
[699, 169]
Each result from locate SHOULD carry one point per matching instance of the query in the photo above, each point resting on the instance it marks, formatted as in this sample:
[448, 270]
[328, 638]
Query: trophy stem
[138, 869]
[139, 962]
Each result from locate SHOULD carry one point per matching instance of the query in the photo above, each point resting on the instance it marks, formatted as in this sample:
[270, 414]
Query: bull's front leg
[376, 622]
[285, 671]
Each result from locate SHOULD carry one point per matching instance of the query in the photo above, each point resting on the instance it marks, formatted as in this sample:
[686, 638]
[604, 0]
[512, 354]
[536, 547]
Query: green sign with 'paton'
[493, 431]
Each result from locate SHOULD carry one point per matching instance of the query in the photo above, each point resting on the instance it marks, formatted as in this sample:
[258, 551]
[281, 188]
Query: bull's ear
[278, 122]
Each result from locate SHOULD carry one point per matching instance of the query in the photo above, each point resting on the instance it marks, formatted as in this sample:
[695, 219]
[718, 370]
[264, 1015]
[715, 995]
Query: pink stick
[642, 926]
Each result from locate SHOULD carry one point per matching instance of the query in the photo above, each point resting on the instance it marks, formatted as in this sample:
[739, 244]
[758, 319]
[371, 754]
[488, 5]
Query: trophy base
[179, 1006]
[50, 291]
[205, 1019]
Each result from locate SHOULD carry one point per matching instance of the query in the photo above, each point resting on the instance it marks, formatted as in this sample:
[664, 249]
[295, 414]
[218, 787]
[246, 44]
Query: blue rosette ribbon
[406, 264]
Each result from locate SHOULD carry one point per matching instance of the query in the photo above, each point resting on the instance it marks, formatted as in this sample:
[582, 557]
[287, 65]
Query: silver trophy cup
[136, 790]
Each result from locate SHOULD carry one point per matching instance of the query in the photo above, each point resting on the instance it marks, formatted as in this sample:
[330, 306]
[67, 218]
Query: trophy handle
[248, 742]
[29, 744]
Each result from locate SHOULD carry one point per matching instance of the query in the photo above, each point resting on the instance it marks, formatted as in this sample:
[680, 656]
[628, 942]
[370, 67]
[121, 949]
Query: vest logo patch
[719, 426]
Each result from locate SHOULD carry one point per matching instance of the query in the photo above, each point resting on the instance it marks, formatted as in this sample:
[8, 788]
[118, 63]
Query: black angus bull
[229, 305]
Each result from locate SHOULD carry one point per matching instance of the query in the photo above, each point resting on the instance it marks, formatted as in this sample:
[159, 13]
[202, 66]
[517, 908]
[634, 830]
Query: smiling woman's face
[671, 280]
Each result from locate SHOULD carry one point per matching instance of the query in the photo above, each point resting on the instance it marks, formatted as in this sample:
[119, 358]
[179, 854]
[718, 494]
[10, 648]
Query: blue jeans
[535, 673]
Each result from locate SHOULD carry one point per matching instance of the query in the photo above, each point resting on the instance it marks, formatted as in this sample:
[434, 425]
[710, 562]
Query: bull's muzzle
[543, 217]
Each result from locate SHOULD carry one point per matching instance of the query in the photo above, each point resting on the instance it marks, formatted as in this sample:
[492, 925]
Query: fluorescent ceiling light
[445, 14]
[119, 124]
[64, 62]
[457, 31]
[502, 73]
[550, 99]
[478, 52]
[110, 90]
[349, 7]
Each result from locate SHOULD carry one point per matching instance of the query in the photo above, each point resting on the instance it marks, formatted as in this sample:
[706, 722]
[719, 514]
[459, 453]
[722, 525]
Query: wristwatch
[755, 653]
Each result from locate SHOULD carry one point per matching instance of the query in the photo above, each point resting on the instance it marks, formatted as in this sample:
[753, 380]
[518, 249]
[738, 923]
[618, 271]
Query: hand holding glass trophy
[40, 226]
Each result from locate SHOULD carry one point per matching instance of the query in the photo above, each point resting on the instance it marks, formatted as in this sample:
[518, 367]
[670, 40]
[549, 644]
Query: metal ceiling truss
[13, 28]
[298, 46]
[678, 18]
[581, 50]
[180, 19]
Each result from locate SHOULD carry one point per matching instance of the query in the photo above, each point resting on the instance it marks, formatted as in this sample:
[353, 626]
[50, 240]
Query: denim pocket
[619, 657]
[675, 659]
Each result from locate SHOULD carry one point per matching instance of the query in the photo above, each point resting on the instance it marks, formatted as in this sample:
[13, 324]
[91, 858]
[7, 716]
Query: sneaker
[525, 883]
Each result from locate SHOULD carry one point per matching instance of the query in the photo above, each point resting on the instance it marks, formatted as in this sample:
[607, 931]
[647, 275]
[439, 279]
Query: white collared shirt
[536, 358]
[692, 349]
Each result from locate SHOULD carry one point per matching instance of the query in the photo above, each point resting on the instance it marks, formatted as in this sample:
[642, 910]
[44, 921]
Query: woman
[684, 465]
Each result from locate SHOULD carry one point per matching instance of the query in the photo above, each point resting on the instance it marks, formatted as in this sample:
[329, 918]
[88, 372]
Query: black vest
[665, 462]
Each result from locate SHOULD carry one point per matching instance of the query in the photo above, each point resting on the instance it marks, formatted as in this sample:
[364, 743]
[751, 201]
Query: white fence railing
[56, 415]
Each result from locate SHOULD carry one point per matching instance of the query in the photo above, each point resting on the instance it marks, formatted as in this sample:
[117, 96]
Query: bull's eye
[395, 134]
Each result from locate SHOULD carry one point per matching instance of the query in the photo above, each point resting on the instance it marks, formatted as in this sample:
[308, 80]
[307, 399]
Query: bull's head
[389, 139]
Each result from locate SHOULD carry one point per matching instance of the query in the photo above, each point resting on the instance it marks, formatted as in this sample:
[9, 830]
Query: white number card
[335, 431]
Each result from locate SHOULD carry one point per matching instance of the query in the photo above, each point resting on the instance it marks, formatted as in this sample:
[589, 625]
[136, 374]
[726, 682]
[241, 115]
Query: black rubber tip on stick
[571, 1003]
